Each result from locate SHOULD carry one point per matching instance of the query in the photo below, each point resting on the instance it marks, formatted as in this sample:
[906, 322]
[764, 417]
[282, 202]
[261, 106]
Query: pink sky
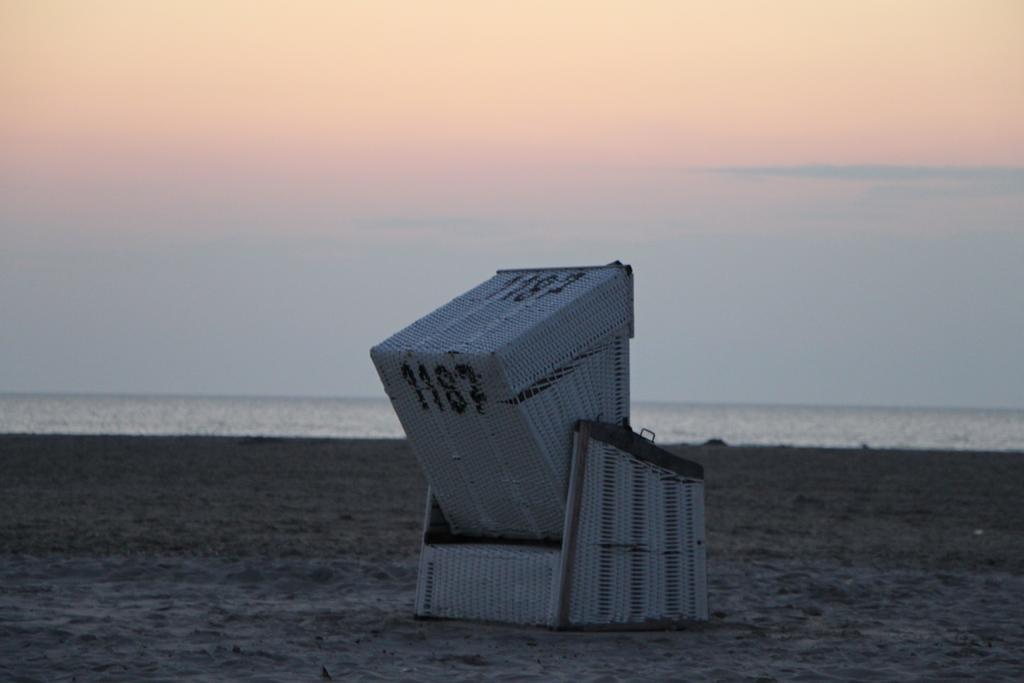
[455, 83]
[530, 113]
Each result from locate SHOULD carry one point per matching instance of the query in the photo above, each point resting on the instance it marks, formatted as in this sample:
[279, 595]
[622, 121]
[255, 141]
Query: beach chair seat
[543, 506]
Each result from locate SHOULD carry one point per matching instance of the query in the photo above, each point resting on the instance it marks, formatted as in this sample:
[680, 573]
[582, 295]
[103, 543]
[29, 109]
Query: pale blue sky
[808, 284]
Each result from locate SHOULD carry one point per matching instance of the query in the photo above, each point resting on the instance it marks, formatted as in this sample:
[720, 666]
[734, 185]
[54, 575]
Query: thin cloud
[878, 172]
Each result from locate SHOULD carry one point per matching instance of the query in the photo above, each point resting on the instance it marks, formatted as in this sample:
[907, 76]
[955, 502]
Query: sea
[736, 424]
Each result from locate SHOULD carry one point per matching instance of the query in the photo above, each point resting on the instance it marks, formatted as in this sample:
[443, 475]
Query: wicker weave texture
[513, 303]
[640, 554]
[505, 583]
[488, 387]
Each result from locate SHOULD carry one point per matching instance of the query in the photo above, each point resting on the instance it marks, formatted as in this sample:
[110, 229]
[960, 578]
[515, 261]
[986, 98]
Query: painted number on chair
[443, 386]
[522, 287]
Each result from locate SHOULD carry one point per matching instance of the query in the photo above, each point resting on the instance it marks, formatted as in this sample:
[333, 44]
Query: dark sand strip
[363, 499]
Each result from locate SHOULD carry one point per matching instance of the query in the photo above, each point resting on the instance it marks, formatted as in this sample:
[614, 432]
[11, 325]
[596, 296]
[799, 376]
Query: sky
[823, 202]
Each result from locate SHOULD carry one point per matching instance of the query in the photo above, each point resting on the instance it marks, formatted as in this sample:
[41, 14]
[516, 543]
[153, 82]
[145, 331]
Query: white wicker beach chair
[543, 506]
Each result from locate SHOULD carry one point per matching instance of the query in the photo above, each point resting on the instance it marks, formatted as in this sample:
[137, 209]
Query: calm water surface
[373, 418]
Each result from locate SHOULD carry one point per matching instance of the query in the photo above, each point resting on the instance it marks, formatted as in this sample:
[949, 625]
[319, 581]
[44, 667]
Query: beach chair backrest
[489, 386]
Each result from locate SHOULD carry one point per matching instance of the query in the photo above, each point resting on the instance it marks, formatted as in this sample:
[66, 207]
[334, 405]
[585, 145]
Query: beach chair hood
[489, 387]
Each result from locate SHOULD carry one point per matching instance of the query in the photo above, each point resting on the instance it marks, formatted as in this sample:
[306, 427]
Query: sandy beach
[168, 558]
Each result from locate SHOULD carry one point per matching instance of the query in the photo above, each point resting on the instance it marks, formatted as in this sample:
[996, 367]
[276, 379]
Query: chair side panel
[592, 385]
[641, 552]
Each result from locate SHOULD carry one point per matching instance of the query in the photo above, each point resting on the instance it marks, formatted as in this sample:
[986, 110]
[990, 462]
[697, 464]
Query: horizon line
[326, 397]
